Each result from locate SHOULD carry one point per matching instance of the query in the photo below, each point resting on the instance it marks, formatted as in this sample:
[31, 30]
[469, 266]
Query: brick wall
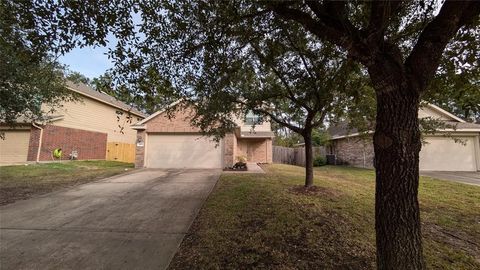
[140, 149]
[179, 123]
[354, 151]
[88, 144]
[269, 151]
[33, 144]
[230, 150]
[255, 150]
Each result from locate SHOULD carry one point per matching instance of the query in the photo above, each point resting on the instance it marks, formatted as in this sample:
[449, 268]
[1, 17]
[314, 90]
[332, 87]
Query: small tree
[280, 76]
[320, 137]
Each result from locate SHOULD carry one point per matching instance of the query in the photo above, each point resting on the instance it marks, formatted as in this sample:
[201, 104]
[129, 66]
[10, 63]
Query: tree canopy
[196, 45]
[147, 97]
[29, 74]
[457, 91]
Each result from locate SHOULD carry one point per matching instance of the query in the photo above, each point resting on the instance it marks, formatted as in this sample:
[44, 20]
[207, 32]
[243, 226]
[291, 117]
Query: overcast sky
[91, 62]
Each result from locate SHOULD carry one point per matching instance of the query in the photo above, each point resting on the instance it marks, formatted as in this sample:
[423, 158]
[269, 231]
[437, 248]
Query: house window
[252, 119]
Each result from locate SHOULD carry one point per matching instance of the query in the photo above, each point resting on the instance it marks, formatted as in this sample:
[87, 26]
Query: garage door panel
[14, 147]
[444, 154]
[182, 151]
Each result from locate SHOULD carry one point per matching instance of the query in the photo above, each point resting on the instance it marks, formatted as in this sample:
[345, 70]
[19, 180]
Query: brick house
[453, 148]
[175, 143]
[84, 127]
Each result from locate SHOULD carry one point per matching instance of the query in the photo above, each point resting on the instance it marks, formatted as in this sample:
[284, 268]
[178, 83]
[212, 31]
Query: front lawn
[267, 221]
[23, 181]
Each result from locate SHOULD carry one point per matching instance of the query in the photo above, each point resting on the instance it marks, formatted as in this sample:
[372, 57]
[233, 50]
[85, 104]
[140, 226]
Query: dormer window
[252, 119]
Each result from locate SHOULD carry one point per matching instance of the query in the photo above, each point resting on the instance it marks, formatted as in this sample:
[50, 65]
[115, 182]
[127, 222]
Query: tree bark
[307, 137]
[398, 83]
[397, 145]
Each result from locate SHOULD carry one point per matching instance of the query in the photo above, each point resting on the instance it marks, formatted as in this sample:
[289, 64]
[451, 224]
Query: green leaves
[29, 77]
[235, 56]
[456, 85]
[320, 137]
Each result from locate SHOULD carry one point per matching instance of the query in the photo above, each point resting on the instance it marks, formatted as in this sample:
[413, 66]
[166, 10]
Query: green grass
[23, 181]
[266, 221]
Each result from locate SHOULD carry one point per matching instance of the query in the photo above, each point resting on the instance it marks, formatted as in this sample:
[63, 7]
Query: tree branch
[338, 31]
[321, 117]
[314, 26]
[280, 122]
[334, 15]
[380, 13]
[290, 94]
[425, 57]
[312, 71]
[302, 56]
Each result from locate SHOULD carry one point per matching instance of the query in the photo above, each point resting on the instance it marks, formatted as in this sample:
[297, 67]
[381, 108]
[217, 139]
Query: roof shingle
[342, 129]
[89, 92]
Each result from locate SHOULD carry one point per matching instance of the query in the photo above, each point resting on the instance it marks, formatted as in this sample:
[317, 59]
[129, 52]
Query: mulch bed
[235, 170]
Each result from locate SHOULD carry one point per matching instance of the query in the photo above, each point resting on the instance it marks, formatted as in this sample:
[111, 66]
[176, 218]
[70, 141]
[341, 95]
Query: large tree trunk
[397, 145]
[307, 137]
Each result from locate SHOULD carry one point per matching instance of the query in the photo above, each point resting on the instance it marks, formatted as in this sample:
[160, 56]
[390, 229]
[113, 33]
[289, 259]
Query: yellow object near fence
[124, 152]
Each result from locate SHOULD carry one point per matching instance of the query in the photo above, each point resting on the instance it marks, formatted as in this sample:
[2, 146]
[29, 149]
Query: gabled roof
[442, 111]
[141, 123]
[342, 130]
[22, 120]
[87, 91]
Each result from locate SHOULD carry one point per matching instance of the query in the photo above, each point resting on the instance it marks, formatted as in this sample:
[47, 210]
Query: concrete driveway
[134, 221]
[472, 178]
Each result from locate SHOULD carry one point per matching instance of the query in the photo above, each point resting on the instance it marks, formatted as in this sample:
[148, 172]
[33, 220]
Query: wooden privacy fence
[294, 156]
[121, 152]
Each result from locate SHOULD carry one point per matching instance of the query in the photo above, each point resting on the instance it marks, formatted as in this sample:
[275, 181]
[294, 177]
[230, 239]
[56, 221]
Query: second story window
[252, 119]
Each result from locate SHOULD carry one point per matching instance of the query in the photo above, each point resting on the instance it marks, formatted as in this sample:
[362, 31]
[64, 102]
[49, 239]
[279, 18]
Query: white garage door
[443, 154]
[182, 151]
[14, 147]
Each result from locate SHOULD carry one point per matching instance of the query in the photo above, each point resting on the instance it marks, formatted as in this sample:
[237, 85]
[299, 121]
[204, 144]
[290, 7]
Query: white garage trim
[444, 154]
[145, 150]
[141, 123]
[477, 151]
[182, 150]
[446, 113]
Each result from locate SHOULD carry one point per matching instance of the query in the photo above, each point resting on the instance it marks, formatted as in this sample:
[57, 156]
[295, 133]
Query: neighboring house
[83, 127]
[175, 143]
[440, 151]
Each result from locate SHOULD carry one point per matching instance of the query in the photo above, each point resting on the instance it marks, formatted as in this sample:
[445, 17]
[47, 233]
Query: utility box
[331, 160]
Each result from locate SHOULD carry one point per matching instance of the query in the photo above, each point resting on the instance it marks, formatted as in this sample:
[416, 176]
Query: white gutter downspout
[39, 141]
